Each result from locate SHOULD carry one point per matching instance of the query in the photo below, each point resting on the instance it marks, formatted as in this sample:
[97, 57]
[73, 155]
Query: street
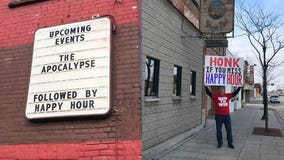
[279, 107]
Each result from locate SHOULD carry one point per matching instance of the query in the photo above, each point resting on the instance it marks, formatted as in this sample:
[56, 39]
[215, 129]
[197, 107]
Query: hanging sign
[217, 16]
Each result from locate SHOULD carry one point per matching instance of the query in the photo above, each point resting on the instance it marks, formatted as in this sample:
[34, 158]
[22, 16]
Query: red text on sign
[224, 61]
[234, 79]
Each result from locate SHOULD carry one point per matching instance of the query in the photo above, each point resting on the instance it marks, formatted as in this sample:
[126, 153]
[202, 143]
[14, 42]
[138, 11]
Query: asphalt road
[279, 107]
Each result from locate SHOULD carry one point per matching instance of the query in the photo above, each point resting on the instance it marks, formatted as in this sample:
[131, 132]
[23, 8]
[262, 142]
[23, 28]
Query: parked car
[274, 99]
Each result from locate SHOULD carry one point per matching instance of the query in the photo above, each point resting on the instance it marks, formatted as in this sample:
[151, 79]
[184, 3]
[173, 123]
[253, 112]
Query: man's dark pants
[220, 119]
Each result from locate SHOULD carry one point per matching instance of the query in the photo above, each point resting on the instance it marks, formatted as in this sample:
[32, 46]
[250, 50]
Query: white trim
[151, 99]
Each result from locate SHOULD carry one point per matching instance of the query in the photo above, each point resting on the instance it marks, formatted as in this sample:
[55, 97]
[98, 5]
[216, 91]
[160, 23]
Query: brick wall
[116, 136]
[19, 24]
[111, 150]
[164, 38]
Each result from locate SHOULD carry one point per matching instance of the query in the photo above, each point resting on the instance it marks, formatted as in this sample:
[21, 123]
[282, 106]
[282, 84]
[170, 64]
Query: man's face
[222, 90]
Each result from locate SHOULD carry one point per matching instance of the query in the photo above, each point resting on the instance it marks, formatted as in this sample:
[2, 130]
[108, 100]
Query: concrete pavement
[202, 145]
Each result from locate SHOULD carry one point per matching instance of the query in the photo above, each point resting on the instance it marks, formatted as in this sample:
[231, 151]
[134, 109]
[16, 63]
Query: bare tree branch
[263, 30]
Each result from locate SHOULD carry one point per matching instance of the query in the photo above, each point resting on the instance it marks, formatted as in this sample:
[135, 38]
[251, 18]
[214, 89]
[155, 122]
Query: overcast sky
[241, 47]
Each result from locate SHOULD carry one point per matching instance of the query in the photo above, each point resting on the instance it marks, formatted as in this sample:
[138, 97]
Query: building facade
[155, 77]
[172, 69]
[116, 135]
[208, 109]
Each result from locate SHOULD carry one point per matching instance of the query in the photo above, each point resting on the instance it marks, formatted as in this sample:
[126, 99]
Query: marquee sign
[217, 16]
[223, 71]
[70, 73]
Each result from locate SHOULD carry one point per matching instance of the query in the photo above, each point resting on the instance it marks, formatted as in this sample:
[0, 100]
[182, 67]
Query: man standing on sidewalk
[222, 113]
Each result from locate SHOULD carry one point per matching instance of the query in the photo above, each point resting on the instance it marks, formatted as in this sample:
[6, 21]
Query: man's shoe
[231, 146]
[219, 145]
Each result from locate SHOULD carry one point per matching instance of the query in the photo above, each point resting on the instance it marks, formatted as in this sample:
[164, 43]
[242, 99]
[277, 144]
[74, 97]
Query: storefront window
[193, 83]
[151, 77]
[177, 81]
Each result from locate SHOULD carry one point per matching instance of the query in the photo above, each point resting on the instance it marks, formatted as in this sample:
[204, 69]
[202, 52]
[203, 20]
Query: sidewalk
[202, 146]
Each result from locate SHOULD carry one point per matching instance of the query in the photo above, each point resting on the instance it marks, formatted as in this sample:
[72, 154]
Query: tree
[263, 30]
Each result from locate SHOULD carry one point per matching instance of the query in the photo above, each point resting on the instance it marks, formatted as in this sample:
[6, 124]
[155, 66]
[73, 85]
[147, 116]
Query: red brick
[92, 153]
[107, 152]
[97, 146]
[70, 151]
[85, 158]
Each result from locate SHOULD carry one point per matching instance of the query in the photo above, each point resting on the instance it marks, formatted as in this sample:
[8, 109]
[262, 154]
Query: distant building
[248, 89]
[257, 90]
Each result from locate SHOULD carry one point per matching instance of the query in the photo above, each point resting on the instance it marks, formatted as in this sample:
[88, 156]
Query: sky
[240, 46]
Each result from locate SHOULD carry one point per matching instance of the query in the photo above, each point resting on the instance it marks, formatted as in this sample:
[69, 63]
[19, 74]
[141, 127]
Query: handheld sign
[223, 71]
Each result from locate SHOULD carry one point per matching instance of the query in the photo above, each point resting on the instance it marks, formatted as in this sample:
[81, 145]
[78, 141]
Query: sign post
[217, 16]
[70, 73]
